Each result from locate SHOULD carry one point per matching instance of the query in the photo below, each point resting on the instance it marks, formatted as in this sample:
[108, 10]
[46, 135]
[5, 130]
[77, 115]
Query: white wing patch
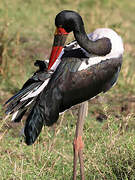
[35, 93]
[14, 116]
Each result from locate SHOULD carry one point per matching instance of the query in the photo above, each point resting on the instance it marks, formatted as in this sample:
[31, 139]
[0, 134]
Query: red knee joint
[78, 143]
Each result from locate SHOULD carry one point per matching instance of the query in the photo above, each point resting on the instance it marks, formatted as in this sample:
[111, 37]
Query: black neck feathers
[72, 21]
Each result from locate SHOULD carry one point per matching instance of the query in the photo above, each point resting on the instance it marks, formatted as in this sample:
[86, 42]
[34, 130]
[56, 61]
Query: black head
[69, 20]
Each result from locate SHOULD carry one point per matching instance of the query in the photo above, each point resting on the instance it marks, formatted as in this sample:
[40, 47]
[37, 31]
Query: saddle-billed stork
[76, 72]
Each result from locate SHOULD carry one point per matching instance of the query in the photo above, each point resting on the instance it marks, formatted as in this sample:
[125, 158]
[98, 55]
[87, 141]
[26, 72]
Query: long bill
[60, 37]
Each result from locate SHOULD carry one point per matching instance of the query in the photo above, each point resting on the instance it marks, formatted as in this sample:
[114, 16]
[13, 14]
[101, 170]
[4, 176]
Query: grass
[26, 33]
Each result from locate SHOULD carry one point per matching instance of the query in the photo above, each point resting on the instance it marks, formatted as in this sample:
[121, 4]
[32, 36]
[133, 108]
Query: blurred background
[26, 34]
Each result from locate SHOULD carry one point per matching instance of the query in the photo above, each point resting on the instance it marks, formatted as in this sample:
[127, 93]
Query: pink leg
[78, 142]
[78, 146]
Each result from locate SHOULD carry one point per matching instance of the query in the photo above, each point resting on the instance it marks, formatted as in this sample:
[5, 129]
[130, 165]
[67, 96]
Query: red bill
[60, 37]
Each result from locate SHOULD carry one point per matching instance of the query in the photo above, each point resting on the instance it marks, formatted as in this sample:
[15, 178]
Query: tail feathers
[30, 90]
[17, 101]
[24, 92]
[34, 124]
[17, 116]
[17, 105]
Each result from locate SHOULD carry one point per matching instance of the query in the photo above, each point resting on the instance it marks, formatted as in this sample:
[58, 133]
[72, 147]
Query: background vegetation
[26, 33]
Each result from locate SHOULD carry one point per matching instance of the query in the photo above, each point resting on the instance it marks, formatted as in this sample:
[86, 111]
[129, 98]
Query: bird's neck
[99, 47]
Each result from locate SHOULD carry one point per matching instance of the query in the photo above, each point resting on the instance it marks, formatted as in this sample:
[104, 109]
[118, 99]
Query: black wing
[20, 102]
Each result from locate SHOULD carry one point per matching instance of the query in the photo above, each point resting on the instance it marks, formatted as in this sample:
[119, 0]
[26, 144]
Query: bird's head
[65, 21]
[68, 20]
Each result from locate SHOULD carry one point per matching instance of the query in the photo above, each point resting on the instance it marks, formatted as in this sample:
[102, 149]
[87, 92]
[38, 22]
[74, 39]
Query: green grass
[26, 33]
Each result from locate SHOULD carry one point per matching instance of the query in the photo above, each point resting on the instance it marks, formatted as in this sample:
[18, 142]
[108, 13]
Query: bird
[75, 73]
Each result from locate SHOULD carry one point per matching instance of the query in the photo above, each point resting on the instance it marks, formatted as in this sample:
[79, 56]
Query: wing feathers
[34, 124]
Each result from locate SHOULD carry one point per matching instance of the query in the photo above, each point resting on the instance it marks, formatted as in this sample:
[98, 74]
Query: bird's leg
[75, 161]
[78, 143]
[78, 146]
[81, 163]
